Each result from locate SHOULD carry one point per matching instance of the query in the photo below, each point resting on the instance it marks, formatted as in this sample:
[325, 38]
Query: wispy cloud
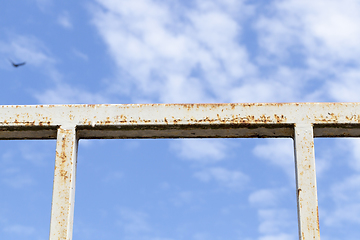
[133, 222]
[81, 55]
[280, 236]
[275, 223]
[64, 93]
[44, 5]
[20, 162]
[325, 48]
[174, 53]
[20, 230]
[11, 174]
[306, 25]
[183, 198]
[37, 55]
[352, 146]
[279, 152]
[203, 151]
[29, 49]
[266, 197]
[65, 21]
[233, 179]
[34, 152]
[346, 209]
[136, 224]
[113, 176]
[18, 180]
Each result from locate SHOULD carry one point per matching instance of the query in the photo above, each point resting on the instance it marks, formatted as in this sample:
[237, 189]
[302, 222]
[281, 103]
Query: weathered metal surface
[188, 131]
[254, 120]
[308, 216]
[62, 210]
[68, 123]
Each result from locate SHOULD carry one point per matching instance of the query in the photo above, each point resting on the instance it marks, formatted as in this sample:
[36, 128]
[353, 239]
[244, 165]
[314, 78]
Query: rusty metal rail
[68, 123]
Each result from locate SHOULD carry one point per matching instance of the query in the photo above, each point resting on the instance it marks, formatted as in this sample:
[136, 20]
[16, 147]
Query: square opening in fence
[185, 189]
[26, 184]
[338, 181]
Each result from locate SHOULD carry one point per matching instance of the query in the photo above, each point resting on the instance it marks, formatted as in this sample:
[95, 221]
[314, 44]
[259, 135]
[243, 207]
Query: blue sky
[157, 51]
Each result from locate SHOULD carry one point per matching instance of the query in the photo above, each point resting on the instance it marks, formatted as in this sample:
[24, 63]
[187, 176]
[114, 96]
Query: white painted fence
[69, 123]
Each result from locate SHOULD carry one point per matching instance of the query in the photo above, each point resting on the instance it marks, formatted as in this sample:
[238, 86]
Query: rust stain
[280, 119]
[328, 118]
[353, 117]
[234, 119]
[317, 220]
[64, 174]
[63, 156]
[123, 119]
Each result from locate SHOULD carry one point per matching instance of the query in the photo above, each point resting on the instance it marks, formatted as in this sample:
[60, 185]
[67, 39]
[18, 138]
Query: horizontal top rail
[179, 120]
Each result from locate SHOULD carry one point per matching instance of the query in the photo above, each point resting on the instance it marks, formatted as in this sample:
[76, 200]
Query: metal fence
[69, 123]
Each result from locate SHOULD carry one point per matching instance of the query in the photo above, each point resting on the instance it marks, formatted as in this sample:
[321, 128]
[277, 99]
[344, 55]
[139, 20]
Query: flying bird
[17, 64]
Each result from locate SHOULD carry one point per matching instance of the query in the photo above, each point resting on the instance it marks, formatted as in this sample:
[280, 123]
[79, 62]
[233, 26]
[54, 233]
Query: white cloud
[280, 236]
[261, 91]
[7, 157]
[323, 29]
[352, 145]
[65, 21]
[173, 52]
[201, 236]
[183, 198]
[11, 174]
[275, 222]
[66, 94]
[34, 153]
[176, 54]
[229, 178]
[133, 222]
[19, 229]
[322, 165]
[113, 176]
[200, 150]
[279, 152]
[341, 215]
[18, 180]
[28, 49]
[266, 197]
[346, 196]
[346, 89]
[81, 55]
[36, 54]
[323, 38]
[44, 4]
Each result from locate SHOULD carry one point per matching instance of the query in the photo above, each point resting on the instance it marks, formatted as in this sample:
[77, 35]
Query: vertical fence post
[62, 210]
[307, 203]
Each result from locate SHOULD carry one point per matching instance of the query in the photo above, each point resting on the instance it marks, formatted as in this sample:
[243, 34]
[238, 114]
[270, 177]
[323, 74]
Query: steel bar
[176, 120]
[62, 210]
[307, 203]
[68, 123]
